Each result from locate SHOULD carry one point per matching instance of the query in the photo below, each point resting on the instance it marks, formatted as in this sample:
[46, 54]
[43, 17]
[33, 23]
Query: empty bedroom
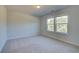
[39, 28]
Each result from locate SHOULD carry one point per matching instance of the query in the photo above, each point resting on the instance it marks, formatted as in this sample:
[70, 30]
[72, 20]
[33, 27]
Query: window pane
[61, 28]
[62, 19]
[50, 27]
[50, 21]
[50, 24]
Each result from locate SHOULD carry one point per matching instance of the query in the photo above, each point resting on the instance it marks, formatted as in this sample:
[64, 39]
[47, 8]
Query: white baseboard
[3, 46]
[19, 37]
[66, 41]
[23, 37]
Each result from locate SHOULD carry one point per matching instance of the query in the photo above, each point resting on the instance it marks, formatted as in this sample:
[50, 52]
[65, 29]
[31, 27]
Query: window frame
[55, 29]
[49, 24]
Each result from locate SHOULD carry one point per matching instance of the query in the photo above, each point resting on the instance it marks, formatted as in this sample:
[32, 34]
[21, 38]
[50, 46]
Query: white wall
[3, 23]
[22, 25]
[73, 26]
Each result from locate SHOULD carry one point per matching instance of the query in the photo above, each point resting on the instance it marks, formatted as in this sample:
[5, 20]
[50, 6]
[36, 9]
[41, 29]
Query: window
[61, 24]
[50, 24]
[58, 24]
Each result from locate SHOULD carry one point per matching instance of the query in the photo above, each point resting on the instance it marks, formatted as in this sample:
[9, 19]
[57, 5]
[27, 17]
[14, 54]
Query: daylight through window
[58, 24]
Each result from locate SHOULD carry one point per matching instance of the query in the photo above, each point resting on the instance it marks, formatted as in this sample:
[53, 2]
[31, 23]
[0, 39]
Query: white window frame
[56, 25]
[50, 24]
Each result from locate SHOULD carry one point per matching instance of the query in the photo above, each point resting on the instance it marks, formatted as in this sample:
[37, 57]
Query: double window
[58, 24]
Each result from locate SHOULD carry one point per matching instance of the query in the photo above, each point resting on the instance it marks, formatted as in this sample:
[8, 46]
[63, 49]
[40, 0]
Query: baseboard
[66, 41]
[24, 37]
[3, 47]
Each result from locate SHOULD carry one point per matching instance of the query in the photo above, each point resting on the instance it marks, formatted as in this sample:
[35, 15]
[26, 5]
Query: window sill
[61, 33]
[58, 33]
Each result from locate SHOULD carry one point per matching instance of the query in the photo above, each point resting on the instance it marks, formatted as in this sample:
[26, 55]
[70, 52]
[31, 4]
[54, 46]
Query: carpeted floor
[38, 44]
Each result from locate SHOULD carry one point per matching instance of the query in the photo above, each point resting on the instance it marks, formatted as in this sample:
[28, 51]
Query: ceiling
[32, 10]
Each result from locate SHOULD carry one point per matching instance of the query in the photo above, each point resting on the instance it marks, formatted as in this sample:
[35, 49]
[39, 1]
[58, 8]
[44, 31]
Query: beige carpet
[38, 44]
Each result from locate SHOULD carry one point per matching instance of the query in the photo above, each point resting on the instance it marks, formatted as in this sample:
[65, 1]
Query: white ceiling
[31, 9]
